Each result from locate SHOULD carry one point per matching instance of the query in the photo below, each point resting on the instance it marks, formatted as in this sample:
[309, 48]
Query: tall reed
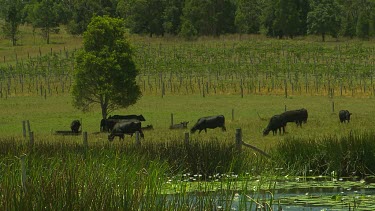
[350, 155]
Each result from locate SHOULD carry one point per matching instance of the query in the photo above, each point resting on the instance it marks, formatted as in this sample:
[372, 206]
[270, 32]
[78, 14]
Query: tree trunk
[104, 111]
[47, 35]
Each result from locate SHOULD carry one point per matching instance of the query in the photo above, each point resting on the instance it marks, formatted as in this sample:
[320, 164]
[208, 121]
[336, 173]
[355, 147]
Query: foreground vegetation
[170, 175]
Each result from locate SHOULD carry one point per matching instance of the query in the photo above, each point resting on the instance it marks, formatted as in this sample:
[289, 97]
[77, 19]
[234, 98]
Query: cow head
[193, 129]
[266, 131]
[348, 116]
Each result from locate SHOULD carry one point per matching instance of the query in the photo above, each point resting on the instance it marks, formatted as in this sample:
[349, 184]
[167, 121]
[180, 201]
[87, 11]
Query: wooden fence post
[163, 90]
[333, 107]
[207, 87]
[24, 128]
[137, 139]
[232, 114]
[286, 89]
[31, 138]
[204, 95]
[186, 140]
[284, 107]
[239, 139]
[28, 126]
[85, 142]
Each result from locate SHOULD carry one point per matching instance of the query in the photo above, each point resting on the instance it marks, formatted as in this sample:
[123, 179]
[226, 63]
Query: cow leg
[205, 130]
[223, 128]
[141, 133]
[121, 137]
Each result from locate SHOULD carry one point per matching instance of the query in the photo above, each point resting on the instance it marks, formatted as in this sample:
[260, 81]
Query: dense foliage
[192, 18]
[105, 71]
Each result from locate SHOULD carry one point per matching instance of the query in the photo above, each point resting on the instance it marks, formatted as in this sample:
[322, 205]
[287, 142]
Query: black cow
[75, 125]
[298, 116]
[128, 117]
[276, 123]
[181, 125]
[209, 122]
[125, 127]
[344, 115]
[106, 125]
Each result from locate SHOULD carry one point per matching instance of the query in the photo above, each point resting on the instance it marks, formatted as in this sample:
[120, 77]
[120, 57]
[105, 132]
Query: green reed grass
[349, 155]
[106, 176]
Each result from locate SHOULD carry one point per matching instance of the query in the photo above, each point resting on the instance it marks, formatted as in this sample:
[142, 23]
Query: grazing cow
[125, 127]
[209, 122]
[276, 123]
[128, 117]
[344, 115]
[106, 125]
[298, 116]
[181, 125]
[75, 125]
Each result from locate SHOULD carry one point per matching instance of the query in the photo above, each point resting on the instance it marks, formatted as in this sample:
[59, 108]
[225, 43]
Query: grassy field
[56, 113]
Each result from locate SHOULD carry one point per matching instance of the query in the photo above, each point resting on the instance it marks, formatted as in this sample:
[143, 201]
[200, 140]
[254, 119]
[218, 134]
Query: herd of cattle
[121, 125]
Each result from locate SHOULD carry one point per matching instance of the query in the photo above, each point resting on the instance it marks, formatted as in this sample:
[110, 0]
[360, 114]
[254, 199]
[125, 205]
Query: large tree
[247, 19]
[11, 12]
[44, 15]
[105, 72]
[83, 10]
[324, 18]
[211, 17]
[284, 17]
[171, 15]
[143, 16]
[366, 19]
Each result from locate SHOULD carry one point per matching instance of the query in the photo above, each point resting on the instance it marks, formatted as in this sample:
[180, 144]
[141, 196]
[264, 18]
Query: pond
[292, 194]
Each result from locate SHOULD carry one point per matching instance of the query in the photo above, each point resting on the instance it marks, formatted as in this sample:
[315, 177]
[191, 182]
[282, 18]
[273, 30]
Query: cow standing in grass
[344, 116]
[126, 128]
[298, 116]
[128, 117]
[106, 125]
[209, 122]
[276, 123]
[75, 125]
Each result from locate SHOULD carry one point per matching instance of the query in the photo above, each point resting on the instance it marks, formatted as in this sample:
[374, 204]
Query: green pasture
[251, 113]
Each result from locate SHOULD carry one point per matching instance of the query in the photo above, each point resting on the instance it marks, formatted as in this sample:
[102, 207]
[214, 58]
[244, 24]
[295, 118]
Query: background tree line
[194, 18]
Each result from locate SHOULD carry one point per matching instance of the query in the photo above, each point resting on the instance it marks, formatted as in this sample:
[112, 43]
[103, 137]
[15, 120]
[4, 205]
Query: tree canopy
[194, 18]
[105, 72]
[11, 12]
[44, 15]
[324, 18]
